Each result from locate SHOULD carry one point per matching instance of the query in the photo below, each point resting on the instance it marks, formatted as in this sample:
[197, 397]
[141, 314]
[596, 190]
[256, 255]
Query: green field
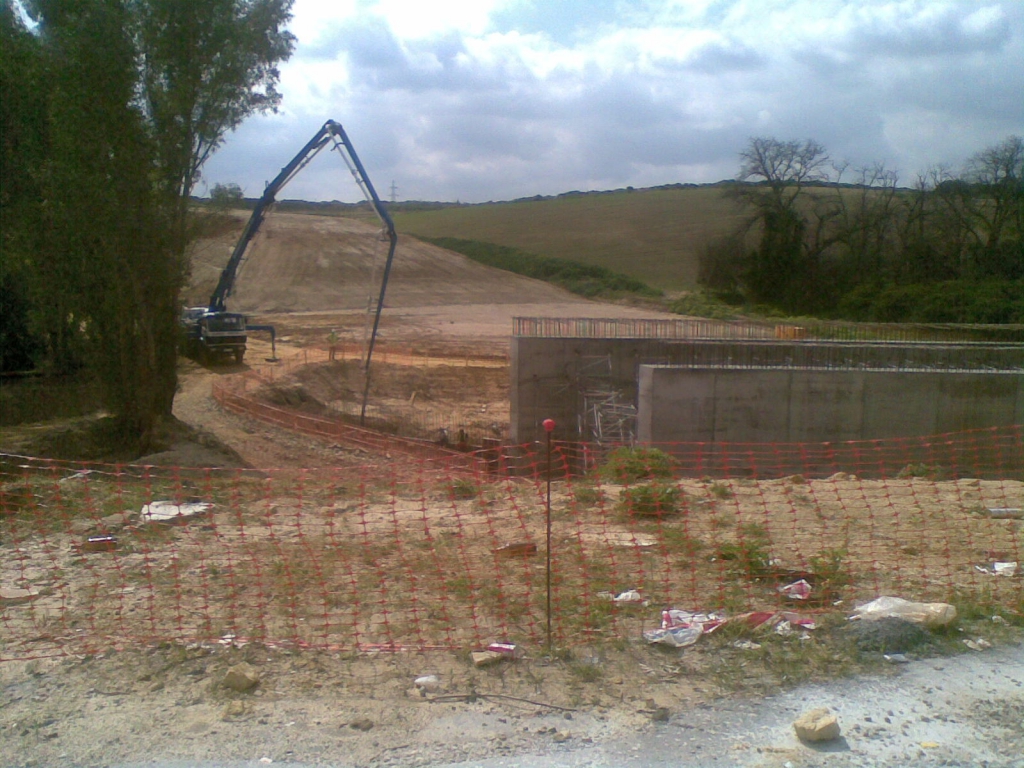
[654, 235]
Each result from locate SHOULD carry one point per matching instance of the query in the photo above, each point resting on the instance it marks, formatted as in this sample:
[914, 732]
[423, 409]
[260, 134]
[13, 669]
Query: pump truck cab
[213, 334]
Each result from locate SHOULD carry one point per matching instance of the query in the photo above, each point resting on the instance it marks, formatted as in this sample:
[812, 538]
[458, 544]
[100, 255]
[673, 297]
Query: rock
[234, 709]
[428, 683]
[361, 724]
[817, 725]
[516, 549]
[887, 635]
[241, 677]
[660, 715]
[561, 736]
[17, 596]
[485, 658]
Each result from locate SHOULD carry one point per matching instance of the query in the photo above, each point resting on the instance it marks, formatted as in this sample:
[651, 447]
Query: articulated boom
[212, 331]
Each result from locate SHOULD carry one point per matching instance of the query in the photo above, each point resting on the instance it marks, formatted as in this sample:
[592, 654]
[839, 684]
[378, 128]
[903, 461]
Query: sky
[478, 100]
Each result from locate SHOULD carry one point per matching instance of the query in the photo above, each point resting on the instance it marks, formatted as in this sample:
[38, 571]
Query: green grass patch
[586, 280]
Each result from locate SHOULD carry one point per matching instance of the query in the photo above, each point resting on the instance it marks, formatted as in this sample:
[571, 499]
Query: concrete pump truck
[211, 332]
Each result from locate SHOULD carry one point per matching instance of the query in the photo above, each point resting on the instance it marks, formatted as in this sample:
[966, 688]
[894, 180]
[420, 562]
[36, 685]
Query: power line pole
[394, 192]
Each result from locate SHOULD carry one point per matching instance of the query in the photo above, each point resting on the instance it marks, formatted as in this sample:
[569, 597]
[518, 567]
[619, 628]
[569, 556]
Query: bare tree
[786, 261]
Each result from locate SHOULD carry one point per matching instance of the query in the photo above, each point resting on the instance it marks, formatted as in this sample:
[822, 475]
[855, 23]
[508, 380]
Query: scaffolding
[607, 415]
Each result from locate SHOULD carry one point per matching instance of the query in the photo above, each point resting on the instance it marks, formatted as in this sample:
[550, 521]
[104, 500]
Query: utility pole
[394, 192]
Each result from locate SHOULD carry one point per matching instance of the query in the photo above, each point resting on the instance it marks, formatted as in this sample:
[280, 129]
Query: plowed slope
[303, 263]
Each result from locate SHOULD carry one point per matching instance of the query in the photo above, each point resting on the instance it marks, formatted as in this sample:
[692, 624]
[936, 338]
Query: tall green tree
[23, 105]
[138, 94]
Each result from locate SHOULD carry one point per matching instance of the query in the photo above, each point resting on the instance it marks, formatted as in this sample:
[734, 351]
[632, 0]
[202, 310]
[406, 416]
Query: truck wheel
[239, 354]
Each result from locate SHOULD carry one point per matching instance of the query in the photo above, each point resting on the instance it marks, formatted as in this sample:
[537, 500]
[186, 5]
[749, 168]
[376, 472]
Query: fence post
[549, 426]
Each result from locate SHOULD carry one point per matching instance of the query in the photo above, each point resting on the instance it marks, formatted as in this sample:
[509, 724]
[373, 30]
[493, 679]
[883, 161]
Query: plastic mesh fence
[425, 554]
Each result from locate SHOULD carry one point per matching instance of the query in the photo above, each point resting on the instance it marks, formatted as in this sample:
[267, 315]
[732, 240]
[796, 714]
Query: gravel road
[963, 711]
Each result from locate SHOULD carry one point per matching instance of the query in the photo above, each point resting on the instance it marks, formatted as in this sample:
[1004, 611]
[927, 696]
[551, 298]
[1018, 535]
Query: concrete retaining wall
[550, 374]
[723, 405]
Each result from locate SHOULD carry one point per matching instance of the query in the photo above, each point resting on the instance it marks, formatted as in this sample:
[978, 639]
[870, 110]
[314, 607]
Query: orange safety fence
[240, 394]
[430, 552]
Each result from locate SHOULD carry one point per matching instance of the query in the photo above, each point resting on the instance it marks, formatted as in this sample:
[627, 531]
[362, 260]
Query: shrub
[651, 500]
[628, 465]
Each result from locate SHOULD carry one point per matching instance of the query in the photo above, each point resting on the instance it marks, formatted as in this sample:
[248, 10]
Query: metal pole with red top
[549, 427]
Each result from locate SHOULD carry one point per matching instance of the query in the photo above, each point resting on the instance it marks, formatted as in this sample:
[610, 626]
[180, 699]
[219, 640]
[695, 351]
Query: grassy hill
[654, 235]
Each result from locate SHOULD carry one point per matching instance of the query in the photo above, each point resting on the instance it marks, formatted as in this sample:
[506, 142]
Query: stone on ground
[817, 725]
[241, 677]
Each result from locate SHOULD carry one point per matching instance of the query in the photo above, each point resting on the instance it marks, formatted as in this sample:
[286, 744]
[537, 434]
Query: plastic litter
[785, 629]
[682, 628]
[678, 637]
[629, 596]
[896, 658]
[99, 544]
[1006, 513]
[427, 683]
[172, 512]
[798, 590]
[511, 650]
[998, 569]
[929, 614]
[980, 644]
[708, 622]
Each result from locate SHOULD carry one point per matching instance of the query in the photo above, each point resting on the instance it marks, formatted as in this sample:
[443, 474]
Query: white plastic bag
[931, 615]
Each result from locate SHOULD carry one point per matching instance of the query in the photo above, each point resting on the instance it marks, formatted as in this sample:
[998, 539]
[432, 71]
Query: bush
[628, 465]
[952, 301]
[651, 500]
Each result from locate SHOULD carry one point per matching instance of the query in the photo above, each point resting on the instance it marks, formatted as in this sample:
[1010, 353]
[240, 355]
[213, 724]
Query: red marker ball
[549, 425]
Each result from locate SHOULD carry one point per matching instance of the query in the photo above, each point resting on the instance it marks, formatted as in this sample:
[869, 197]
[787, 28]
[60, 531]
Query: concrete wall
[548, 375]
[719, 405]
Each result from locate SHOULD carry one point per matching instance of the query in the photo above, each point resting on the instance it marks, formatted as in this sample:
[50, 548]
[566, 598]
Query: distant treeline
[582, 279]
[948, 249]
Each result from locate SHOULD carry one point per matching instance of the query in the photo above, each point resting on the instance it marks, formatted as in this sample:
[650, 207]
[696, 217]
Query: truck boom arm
[331, 133]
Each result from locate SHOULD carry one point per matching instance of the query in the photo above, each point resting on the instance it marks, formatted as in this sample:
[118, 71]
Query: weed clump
[750, 553]
[654, 499]
[830, 571]
[588, 495]
[924, 471]
[720, 491]
[630, 465]
[463, 488]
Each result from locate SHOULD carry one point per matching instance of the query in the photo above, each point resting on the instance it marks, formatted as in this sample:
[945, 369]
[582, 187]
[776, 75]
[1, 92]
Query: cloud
[507, 98]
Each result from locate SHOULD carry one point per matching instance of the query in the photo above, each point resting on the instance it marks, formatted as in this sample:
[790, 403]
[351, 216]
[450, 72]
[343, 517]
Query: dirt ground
[310, 276]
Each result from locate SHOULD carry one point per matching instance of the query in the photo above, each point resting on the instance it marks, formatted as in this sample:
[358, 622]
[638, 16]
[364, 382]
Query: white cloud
[505, 98]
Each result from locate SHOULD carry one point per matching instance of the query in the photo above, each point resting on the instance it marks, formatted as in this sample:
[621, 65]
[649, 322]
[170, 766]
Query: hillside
[655, 235]
[301, 263]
